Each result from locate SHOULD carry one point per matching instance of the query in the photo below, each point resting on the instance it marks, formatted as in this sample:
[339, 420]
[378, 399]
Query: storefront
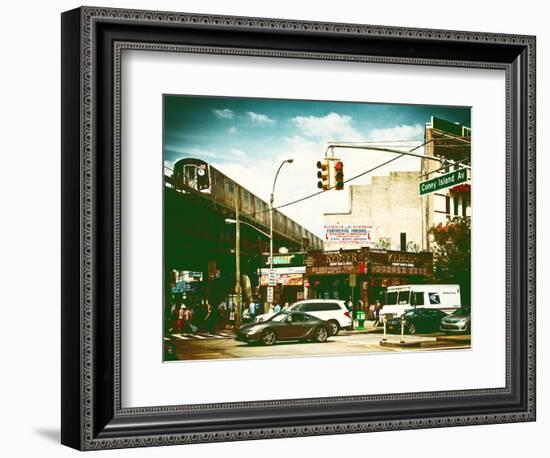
[287, 278]
[363, 274]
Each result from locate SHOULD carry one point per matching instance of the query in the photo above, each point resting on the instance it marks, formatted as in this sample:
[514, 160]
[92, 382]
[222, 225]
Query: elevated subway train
[202, 177]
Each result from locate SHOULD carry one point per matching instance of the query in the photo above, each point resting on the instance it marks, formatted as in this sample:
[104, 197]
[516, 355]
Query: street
[223, 346]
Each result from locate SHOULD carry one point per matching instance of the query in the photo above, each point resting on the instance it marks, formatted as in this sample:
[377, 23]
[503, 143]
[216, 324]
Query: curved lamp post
[271, 200]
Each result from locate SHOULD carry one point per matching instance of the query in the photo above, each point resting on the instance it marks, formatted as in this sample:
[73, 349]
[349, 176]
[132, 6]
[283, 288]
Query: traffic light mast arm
[331, 145]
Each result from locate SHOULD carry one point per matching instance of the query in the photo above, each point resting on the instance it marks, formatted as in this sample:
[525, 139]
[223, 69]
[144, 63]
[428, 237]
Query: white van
[400, 299]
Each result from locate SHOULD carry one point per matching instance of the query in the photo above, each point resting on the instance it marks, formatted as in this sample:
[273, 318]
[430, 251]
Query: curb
[388, 343]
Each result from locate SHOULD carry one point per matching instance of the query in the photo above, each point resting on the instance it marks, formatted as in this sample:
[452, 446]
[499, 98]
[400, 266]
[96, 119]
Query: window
[464, 205]
[391, 299]
[448, 205]
[332, 306]
[403, 297]
[455, 205]
[434, 298]
[319, 307]
[297, 318]
[189, 176]
[279, 317]
[418, 298]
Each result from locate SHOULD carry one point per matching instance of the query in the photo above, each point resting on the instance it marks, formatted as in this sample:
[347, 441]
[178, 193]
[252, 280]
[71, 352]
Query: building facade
[448, 142]
[363, 273]
[380, 213]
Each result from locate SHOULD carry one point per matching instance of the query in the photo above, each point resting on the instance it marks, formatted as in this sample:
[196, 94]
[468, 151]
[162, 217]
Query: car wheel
[321, 334]
[411, 329]
[269, 337]
[334, 327]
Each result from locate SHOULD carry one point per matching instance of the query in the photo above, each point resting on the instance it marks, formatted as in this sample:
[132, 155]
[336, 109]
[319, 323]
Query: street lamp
[271, 199]
[234, 221]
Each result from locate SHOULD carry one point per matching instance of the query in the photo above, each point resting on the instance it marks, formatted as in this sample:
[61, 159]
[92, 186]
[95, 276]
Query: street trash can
[360, 316]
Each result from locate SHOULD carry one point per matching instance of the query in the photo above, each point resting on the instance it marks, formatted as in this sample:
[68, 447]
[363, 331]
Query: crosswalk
[201, 336]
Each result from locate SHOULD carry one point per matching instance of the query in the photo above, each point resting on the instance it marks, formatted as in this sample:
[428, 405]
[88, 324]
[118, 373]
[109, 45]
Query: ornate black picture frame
[92, 42]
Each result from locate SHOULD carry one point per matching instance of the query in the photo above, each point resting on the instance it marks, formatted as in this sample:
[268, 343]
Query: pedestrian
[200, 317]
[174, 313]
[231, 317]
[210, 319]
[259, 307]
[377, 308]
[252, 309]
[222, 311]
[277, 308]
[271, 309]
[286, 306]
[189, 321]
[246, 315]
[181, 319]
[371, 312]
[348, 303]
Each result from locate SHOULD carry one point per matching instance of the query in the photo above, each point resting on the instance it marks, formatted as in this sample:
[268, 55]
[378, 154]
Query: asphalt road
[223, 346]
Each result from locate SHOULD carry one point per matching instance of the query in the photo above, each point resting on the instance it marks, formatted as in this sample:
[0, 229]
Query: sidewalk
[369, 329]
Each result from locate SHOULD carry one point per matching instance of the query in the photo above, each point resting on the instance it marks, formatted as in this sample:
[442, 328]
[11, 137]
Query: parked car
[333, 311]
[285, 325]
[417, 320]
[457, 322]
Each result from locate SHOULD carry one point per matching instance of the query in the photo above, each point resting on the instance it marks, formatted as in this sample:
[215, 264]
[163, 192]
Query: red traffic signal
[339, 175]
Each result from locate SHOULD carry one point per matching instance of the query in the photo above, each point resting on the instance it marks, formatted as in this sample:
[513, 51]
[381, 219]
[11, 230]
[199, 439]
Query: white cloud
[333, 126]
[226, 113]
[232, 130]
[238, 153]
[260, 118]
[404, 132]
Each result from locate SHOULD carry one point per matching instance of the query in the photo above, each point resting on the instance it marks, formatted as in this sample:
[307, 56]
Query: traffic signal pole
[331, 145]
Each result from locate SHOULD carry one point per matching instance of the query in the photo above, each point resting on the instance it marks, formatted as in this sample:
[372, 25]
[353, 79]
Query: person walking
[259, 307]
[277, 308]
[210, 319]
[181, 319]
[174, 313]
[246, 315]
[377, 308]
[252, 309]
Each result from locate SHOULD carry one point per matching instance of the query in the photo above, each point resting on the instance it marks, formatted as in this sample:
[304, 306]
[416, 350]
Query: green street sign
[444, 181]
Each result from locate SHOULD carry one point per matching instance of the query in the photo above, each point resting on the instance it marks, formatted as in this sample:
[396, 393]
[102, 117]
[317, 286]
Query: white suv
[333, 311]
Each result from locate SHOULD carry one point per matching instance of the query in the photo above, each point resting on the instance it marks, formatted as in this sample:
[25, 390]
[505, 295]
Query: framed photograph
[277, 228]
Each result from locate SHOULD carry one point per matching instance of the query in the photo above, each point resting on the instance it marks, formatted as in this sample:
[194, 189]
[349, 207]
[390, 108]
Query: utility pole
[237, 262]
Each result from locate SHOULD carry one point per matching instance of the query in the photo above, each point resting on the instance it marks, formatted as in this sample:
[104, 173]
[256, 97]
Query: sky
[247, 139]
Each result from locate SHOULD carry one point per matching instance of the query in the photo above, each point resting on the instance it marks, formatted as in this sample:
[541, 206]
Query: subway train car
[200, 176]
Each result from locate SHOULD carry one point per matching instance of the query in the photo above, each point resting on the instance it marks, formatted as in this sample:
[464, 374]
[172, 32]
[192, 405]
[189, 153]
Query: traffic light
[323, 174]
[339, 175]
